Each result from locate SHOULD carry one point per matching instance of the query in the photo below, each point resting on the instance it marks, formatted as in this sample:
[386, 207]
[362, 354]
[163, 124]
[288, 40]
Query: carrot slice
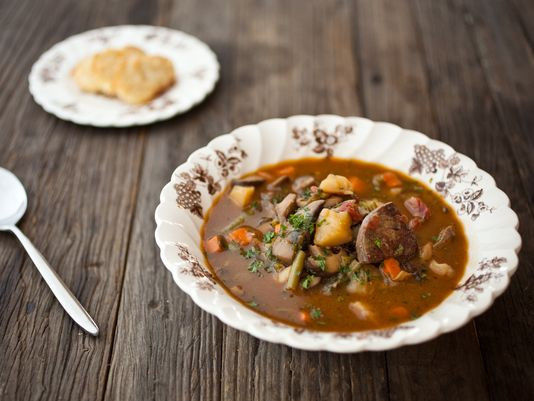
[391, 179]
[358, 185]
[265, 175]
[277, 228]
[241, 235]
[214, 244]
[304, 316]
[399, 311]
[391, 267]
[288, 170]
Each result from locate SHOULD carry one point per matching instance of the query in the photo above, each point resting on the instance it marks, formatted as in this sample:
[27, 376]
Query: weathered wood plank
[524, 14]
[396, 89]
[467, 108]
[508, 64]
[81, 184]
[460, 71]
[270, 66]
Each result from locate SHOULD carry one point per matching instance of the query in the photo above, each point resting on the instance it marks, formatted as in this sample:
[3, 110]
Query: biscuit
[84, 77]
[126, 73]
[143, 78]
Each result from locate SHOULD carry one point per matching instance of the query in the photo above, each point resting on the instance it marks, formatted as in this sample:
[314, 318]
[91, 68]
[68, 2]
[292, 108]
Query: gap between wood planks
[143, 135]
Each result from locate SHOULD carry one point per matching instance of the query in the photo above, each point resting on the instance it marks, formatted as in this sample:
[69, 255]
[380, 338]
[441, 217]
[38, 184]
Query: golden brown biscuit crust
[126, 73]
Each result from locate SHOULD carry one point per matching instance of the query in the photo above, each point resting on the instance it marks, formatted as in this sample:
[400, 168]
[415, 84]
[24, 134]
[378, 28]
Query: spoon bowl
[13, 203]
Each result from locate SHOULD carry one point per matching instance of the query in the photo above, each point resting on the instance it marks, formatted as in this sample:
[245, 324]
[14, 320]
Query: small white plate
[52, 87]
[489, 223]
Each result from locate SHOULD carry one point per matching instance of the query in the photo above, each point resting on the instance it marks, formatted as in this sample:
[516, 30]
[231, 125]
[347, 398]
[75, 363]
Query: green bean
[235, 223]
[295, 270]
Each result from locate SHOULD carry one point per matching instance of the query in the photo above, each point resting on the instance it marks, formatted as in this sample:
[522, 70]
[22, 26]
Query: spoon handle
[60, 290]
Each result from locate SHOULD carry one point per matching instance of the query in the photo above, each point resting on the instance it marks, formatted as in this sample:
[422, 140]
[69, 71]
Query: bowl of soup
[336, 233]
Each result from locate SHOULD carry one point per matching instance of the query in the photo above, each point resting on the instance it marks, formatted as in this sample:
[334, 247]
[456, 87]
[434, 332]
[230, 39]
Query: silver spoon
[13, 203]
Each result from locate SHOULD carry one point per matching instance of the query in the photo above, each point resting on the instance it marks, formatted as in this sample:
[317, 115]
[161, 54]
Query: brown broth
[268, 297]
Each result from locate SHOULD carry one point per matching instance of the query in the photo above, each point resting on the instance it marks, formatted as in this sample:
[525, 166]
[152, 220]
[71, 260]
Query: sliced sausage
[384, 234]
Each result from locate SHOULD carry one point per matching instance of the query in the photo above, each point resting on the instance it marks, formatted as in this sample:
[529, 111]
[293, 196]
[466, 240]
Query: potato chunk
[336, 184]
[333, 228]
[241, 195]
[441, 269]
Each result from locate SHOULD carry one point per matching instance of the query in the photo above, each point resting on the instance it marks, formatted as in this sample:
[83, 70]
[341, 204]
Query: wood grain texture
[81, 184]
[396, 89]
[461, 71]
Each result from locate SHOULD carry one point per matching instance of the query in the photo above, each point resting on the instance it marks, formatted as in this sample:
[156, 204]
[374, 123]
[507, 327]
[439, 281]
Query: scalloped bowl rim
[464, 308]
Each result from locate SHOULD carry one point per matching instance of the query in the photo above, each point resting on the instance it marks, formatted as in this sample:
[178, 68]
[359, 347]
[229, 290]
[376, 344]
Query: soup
[334, 244]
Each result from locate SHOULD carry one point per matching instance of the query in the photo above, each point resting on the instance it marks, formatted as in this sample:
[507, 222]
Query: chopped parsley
[362, 276]
[420, 275]
[306, 194]
[233, 246]
[307, 281]
[399, 251]
[378, 243]
[268, 237]
[344, 269]
[253, 207]
[316, 313]
[250, 253]
[301, 222]
[255, 266]
[321, 222]
[435, 238]
[283, 229]
[321, 262]
[254, 304]
[269, 253]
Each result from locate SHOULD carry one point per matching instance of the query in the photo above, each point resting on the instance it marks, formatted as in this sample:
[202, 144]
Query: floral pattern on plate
[481, 206]
[52, 87]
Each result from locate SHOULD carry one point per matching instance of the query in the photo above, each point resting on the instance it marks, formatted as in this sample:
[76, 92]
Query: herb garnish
[306, 194]
[254, 304]
[378, 243]
[344, 269]
[399, 251]
[301, 222]
[362, 276]
[307, 281]
[321, 261]
[255, 266]
[253, 207]
[316, 313]
[420, 275]
[233, 246]
[268, 237]
[250, 253]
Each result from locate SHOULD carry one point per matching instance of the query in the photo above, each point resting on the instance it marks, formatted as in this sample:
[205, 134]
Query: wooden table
[460, 71]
